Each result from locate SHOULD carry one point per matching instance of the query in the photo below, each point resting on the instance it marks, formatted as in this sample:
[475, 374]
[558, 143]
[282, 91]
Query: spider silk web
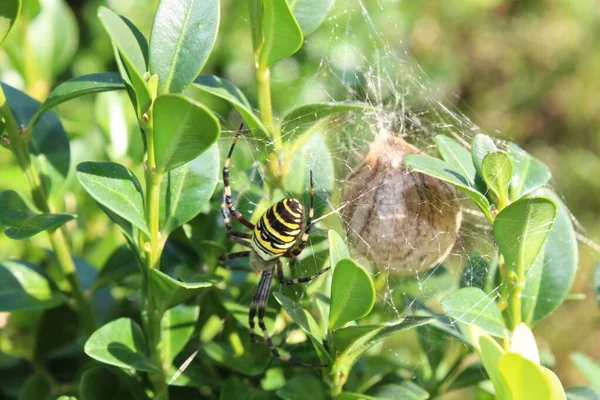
[359, 54]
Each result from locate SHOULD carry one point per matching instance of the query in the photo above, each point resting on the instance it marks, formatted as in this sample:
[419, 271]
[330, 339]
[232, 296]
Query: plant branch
[19, 144]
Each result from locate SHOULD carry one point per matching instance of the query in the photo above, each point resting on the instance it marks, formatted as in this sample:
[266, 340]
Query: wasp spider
[274, 236]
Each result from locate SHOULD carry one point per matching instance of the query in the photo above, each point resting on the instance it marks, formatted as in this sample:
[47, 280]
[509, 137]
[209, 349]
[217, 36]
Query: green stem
[151, 315]
[516, 286]
[19, 144]
[263, 81]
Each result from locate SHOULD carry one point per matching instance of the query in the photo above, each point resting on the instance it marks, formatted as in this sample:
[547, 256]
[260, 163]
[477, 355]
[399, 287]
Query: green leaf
[352, 293]
[524, 378]
[337, 247]
[240, 313]
[497, 172]
[530, 174]
[131, 55]
[354, 396]
[226, 90]
[457, 156]
[561, 259]
[9, 11]
[183, 130]
[21, 222]
[280, 35]
[49, 145]
[116, 188]
[53, 36]
[99, 383]
[468, 377]
[34, 388]
[490, 352]
[589, 368]
[303, 387]
[121, 264]
[407, 390]
[22, 287]
[169, 292]
[300, 316]
[480, 147]
[120, 343]
[582, 393]
[473, 306]
[521, 230]
[80, 86]
[183, 35]
[177, 328]
[185, 190]
[310, 14]
[306, 115]
[444, 171]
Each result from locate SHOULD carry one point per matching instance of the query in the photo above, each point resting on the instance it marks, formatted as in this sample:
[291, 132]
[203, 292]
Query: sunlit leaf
[473, 306]
[480, 147]
[226, 90]
[458, 156]
[21, 222]
[116, 188]
[183, 130]
[310, 14]
[530, 173]
[186, 190]
[524, 378]
[182, 38]
[22, 287]
[9, 11]
[177, 327]
[352, 293]
[497, 172]
[169, 292]
[120, 343]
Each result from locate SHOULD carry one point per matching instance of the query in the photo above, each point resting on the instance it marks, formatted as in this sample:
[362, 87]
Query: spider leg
[227, 202]
[232, 256]
[286, 282]
[311, 213]
[260, 299]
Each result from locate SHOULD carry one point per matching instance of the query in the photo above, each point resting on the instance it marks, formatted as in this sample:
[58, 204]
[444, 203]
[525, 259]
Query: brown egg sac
[401, 220]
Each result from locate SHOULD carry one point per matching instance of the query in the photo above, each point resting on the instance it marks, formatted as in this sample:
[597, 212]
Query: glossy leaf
[306, 115]
[524, 378]
[589, 368]
[183, 130]
[310, 14]
[81, 86]
[480, 147]
[280, 34]
[490, 353]
[53, 36]
[49, 145]
[183, 35]
[120, 343]
[300, 316]
[131, 55]
[22, 287]
[444, 171]
[523, 343]
[186, 190]
[226, 90]
[352, 293]
[473, 306]
[337, 248]
[407, 390]
[457, 156]
[561, 259]
[177, 328]
[9, 11]
[169, 292]
[497, 172]
[521, 230]
[530, 174]
[116, 188]
[21, 222]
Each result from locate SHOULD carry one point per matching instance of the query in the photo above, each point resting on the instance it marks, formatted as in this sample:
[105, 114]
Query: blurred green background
[523, 70]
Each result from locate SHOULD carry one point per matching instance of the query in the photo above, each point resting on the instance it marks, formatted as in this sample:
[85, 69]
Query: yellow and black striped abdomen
[278, 229]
